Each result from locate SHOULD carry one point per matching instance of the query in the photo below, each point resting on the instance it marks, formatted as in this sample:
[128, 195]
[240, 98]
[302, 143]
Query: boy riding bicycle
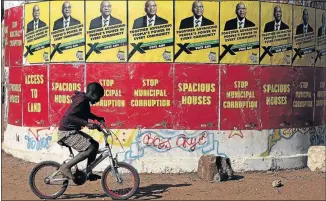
[70, 133]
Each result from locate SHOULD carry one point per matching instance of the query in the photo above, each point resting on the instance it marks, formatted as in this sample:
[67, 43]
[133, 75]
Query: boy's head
[94, 92]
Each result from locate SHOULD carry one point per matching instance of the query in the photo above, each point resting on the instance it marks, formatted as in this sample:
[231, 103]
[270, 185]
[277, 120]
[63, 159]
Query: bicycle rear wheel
[124, 190]
[39, 180]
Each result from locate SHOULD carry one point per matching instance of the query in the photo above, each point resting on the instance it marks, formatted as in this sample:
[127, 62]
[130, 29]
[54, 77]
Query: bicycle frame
[105, 152]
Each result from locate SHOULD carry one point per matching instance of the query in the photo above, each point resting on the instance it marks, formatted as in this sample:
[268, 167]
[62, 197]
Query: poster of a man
[240, 21]
[304, 27]
[277, 24]
[106, 19]
[36, 23]
[197, 20]
[67, 20]
[322, 29]
[151, 18]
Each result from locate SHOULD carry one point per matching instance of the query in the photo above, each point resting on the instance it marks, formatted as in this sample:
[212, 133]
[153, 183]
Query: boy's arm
[94, 117]
[77, 121]
[76, 110]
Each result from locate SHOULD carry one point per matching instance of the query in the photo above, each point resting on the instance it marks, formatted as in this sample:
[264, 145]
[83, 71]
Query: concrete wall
[170, 151]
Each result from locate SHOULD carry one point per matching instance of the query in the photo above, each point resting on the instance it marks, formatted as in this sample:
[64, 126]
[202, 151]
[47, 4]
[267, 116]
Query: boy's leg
[92, 158]
[66, 168]
[81, 143]
[92, 155]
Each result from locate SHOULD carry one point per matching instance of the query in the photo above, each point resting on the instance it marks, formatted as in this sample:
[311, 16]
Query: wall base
[179, 165]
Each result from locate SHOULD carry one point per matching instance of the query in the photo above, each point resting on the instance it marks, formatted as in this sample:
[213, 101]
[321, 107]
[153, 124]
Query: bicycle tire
[113, 195]
[31, 181]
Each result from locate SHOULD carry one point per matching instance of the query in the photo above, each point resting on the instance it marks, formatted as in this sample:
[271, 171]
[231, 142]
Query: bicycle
[81, 175]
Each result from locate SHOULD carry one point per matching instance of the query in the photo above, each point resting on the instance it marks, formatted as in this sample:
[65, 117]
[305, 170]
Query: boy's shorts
[76, 139]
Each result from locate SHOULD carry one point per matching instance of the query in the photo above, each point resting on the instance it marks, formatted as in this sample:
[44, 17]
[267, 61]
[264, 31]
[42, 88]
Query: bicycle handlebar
[107, 132]
[102, 123]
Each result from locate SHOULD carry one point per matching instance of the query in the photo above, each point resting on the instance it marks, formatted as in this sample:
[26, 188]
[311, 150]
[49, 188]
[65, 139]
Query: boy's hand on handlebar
[93, 126]
[101, 119]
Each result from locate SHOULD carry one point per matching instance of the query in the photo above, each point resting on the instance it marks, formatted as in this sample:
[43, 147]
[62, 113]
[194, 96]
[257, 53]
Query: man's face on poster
[241, 10]
[197, 8]
[305, 16]
[66, 9]
[106, 8]
[36, 13]
[278, 13]
[150, 8]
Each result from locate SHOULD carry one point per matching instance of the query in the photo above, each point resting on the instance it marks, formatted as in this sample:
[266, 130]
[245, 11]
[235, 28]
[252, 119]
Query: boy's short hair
[95, 87]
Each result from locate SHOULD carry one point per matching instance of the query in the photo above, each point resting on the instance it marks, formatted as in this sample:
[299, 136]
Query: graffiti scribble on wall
[203, 141]
[277, 134]
[38, 144]
[39, 138]
[318, 137]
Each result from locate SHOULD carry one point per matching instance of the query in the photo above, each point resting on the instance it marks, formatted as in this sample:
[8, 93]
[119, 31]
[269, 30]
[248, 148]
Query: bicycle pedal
[93, 177]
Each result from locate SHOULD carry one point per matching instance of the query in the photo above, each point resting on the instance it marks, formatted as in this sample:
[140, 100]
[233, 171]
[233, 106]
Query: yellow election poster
[150, 31]
[37, 38]
[320, 59]
[275, 34]
[196, 31]
[106, 31]
[239, 32]
[67, 31]
[304, 36]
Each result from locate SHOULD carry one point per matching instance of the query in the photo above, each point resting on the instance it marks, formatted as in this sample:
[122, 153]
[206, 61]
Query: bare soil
[298, 185]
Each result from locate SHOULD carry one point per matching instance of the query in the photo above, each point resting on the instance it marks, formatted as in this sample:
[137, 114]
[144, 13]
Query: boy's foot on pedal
[93, 177]
[66, 171]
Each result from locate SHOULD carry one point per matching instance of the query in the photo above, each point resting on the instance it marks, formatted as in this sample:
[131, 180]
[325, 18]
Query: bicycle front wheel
[120, 190]
[39, 180]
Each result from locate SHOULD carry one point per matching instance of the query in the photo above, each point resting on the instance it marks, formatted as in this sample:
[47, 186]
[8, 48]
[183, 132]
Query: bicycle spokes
[48, 180]
[120, 181]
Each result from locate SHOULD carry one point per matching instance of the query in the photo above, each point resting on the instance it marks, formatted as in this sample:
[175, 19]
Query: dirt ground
[298, 185]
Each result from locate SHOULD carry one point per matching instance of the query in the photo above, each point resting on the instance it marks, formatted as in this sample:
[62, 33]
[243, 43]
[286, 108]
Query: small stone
[277, 183]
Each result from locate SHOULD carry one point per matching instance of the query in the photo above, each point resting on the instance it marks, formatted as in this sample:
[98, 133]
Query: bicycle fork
[115, 166]
[115, 170]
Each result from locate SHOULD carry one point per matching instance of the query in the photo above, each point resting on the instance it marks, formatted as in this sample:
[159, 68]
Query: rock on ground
[317, 158]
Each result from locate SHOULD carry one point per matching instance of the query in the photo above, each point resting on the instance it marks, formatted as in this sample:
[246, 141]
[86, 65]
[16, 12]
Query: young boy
[71, 123]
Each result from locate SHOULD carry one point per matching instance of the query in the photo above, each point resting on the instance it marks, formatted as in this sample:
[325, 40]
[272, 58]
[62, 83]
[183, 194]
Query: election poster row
[226, 32]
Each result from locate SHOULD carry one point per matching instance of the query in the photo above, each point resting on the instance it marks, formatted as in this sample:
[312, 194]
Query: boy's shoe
[66, 171]
[93, 177]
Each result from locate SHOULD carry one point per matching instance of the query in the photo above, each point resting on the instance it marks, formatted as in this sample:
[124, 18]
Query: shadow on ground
[82, 195]
[237, 177]
[154, 191]
[151, 192]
